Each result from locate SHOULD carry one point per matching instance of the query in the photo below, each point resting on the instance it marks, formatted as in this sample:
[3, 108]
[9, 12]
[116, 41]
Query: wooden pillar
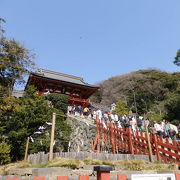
[112, 138]
[156, 147]
[52, 136]
[103, 176]
[99, 136]
[121, 177]
[130, 141]
[103, 172]
[26, 151]
[149, 144]
[96, 144]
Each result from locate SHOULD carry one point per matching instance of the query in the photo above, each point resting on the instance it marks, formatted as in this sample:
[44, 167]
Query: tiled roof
[61, 77]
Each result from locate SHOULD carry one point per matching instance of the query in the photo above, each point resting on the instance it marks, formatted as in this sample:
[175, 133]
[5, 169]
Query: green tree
[177, 58]
[15, 62]
[62, 135]
[121, 108]
[1, 28]
[23, 117]
[34, 112]
[173, 108]
[4, 153]
[59, 101]
[8, 106]
[154, 117]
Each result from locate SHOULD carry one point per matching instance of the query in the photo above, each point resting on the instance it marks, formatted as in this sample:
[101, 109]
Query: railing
[110, 138]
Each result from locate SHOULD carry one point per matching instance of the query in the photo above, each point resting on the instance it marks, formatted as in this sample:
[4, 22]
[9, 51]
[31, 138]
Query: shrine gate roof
[45, 80]
[62, 77]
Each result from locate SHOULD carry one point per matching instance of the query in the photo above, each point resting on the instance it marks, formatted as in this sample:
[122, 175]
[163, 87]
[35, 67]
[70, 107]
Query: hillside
[151, 91]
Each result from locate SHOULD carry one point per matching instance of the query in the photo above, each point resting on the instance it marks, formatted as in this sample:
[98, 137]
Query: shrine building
[53, 82]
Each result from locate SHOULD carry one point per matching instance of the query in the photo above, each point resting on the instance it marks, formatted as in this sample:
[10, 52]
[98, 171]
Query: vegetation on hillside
[27, 116]
[153, 93]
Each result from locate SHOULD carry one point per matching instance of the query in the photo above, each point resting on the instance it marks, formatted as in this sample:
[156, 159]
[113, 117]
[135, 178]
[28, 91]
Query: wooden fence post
[112, 138]
[148, 142]
[156, 148]
[131, 149]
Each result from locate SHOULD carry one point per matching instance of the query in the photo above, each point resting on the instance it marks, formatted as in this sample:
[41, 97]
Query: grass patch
[110, 163]
[37, 166]
[20, 164]
[92, 162]
[133, 165]
[63, 162]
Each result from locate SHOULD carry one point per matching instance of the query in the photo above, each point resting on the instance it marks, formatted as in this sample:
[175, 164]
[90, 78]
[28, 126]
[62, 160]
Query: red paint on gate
[121, 177]
[39, 178]
[62, 178]
[103, 175]
[177, 176]
[15, 178]
[84, 178]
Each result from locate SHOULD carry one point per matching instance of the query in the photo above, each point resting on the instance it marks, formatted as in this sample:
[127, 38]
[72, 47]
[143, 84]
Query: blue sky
[96, 39]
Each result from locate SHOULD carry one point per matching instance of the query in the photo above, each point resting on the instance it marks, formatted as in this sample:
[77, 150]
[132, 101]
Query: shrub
[4, 153]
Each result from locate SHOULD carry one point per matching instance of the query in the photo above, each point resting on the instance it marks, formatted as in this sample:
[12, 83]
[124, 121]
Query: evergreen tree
[173, 107]
[27, 120]
[177, 58]
[15, 61]
[59, 101]
[34, 112]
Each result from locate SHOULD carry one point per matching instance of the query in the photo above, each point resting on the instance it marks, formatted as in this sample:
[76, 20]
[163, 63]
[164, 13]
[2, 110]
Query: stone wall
[41, 158]
[83, 133]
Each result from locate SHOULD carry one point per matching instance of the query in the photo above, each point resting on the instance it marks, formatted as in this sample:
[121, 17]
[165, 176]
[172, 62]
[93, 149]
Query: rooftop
[61, 77]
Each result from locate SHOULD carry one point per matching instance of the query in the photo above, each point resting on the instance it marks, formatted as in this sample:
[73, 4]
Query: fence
[113, 139]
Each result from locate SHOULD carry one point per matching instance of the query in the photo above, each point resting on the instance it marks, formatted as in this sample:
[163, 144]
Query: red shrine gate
[53, 82]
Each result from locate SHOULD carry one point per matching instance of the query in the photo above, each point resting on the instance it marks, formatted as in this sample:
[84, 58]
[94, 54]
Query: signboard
[153, 177]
